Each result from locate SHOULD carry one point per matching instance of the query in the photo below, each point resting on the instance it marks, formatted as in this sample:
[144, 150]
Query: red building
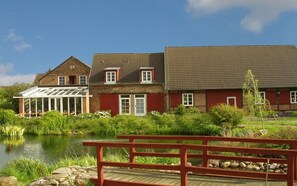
[207, 76]
[130, 84]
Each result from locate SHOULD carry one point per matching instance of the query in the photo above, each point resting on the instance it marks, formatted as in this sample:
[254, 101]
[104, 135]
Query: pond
[45, 148]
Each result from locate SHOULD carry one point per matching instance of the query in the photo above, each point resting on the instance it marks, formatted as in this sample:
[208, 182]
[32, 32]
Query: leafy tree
[255, 105]
[6, 95]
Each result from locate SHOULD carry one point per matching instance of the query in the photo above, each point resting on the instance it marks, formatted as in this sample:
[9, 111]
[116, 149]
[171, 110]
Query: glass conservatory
[70, 100]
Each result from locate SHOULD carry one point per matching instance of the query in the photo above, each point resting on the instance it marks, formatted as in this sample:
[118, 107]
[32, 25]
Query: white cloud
[261, 12]
[19, 42]
[6, 68]
[22, 46]
[6, 79]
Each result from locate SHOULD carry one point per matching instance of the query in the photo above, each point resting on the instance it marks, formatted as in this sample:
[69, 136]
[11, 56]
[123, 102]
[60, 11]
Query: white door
[140, 105]
[124, 104]
[231, 101]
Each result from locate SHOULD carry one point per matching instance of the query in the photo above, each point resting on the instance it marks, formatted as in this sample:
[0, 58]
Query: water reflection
[12, 141]
[44, 148]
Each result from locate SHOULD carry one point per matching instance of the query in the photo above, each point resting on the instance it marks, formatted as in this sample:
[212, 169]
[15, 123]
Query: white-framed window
[188, 99]
[83, 80]
[260, 99]
[62, 80]
[110, 77]
[140, 105]
[231, 101]
[293, 96]
[146, 76]
[125, 104]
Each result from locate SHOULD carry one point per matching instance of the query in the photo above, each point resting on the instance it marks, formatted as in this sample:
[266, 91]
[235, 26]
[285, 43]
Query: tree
[254, 103]
[6, 96]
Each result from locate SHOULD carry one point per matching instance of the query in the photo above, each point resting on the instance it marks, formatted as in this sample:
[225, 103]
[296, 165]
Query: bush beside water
[187, 122]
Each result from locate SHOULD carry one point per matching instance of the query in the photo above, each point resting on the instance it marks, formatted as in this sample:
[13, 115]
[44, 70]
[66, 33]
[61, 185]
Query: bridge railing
[183, 154]
[206, 140]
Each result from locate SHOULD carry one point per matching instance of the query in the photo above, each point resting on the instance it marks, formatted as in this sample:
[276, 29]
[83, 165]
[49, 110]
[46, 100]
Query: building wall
[155, 102]
[109, 102]
[106, 97]
[66, 69]
[215, 97]
[175, 99]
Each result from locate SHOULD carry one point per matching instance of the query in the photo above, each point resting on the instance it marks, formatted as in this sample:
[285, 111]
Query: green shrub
[7, 117]
[202, 125]
[25, 170]
[181, 110]
[223, 115]
[53, 122]
[127, 124]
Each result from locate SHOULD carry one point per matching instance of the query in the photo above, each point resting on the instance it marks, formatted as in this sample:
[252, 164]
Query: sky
[38, 35]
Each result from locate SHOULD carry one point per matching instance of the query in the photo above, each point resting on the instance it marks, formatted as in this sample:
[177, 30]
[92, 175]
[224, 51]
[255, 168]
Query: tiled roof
[129, 64]
[225, 67]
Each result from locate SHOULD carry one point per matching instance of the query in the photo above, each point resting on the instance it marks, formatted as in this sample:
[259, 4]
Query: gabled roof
[225, 67]
[38, 77]
[71, 57]
[129, 64]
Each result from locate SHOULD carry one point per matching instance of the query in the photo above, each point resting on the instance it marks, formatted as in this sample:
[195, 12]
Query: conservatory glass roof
[54, 92]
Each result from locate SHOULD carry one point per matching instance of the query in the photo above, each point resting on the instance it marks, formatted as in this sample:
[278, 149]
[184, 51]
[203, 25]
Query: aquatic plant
[10, 130]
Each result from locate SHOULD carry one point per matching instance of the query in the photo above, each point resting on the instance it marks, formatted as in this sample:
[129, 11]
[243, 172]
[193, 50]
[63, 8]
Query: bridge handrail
[184, 168]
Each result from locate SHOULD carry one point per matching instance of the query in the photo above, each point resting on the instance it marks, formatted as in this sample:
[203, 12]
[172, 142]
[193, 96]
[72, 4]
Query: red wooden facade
[110, 102]
[215, 97]
[279, 99]
[154, 102]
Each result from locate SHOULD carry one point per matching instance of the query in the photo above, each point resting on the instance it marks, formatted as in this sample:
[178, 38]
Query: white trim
[59, 83]
[234, 99]
[109, 75]
[187, 96]
[143, 96]
[293, 97]
[86, 79]
[120, 103]
[112, 68]
[146, 68]
[144, 76]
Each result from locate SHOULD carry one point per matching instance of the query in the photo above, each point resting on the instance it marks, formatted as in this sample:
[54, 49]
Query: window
[110, 77]
[293, 96]
[62, 80]
[260, 99]
[187, 99]
[124, 104]
[72, 67]
[83, 80]
[231, 101]
[146, 76]
[140, 105]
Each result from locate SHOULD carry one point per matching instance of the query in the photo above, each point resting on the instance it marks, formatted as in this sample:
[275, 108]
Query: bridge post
[132, 150]
[294, 147]
[100, 173]
[183, 168]
[291, 170]
[205, 153]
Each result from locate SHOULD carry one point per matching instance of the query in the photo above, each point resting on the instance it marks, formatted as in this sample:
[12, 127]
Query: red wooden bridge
[204, 150]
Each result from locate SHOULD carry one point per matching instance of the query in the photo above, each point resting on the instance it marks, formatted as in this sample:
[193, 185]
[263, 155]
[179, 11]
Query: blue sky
[37, 35]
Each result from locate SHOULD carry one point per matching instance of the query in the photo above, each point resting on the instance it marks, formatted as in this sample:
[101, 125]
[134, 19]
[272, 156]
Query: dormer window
[146, 74]
[111, 75]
